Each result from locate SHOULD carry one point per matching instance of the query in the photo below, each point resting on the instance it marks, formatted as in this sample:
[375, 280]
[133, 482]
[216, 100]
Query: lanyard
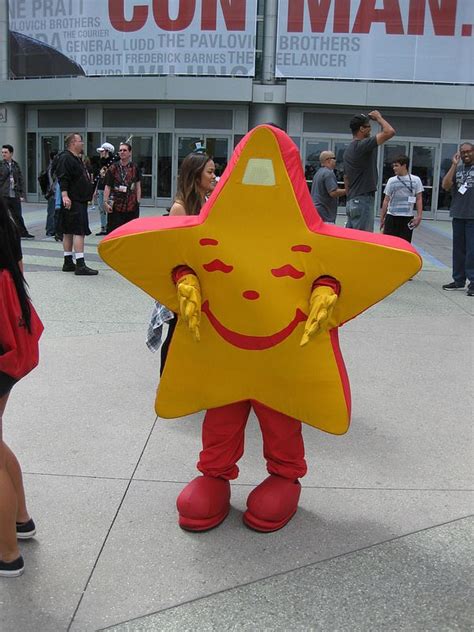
[410, 188]
[465, 175]
[123, 173]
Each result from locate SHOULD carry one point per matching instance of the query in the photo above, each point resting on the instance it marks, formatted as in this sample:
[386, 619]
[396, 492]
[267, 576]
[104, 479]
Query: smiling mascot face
[257, 248]
[254, 304]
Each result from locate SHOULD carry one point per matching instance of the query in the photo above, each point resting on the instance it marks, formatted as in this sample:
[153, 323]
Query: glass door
[48, 143]
[311, 153]
[447, 152]
[339, 147]
[216, 146]
[422, 161]
[143, 156]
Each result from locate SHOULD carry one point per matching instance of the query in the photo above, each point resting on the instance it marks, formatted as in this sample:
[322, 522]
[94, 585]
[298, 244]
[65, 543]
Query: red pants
[223, 441]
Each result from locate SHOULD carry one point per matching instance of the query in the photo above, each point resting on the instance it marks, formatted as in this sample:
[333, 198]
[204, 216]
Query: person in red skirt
[20, 330]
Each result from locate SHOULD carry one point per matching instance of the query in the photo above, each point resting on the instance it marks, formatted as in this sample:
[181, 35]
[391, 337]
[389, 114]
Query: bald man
[324, 189]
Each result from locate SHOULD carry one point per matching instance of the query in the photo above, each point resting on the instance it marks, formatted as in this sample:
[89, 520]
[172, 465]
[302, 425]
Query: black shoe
[58, 237]
[470, 289]
[25, 530]
[28, 236]
[69, 265]
[101, 232]
[453, 286]
[12, 569]
[83, 270]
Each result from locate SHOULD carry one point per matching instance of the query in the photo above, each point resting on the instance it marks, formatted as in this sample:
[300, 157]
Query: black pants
[116, 219]
[397, 225]
[166, 342]
[14, 206]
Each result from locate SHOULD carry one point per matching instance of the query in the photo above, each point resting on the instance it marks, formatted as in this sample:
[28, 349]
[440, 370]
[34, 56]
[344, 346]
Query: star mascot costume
[260, 285]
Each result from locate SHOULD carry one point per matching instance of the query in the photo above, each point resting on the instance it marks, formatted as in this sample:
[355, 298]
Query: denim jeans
[102, 211]
[463, 250]
[360, 212]
[50, 215]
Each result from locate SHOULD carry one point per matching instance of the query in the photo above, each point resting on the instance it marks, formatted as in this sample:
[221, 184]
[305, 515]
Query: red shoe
[204, 503]
[272, 504]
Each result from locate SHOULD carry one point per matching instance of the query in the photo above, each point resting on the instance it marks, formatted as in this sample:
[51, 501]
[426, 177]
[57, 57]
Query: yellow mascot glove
[189, 299]
[321, 305]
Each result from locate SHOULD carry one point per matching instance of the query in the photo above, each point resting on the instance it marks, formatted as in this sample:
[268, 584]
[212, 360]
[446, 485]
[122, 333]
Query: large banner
[395, 40]
[132, 37]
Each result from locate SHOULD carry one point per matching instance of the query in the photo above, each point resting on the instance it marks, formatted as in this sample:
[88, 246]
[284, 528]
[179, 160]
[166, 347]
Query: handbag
[19, 351]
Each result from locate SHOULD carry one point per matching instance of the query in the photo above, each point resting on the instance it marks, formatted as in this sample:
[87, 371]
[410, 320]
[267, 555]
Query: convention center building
[171, 73]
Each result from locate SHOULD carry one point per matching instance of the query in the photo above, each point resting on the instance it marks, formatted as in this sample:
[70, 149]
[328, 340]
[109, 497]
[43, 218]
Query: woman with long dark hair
[20, 330]
[196, 181]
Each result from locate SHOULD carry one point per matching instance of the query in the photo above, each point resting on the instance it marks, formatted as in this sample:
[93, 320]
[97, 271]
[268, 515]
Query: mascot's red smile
[253, 343]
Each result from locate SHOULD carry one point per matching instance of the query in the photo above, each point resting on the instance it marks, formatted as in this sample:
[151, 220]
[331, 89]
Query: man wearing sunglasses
[360, 169]
[325, 190]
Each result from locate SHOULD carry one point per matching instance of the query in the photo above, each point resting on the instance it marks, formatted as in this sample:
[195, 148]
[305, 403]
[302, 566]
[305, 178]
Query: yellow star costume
[257, 247]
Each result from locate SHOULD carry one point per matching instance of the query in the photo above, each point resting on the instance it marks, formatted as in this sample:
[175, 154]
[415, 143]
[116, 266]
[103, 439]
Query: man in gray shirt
[360, 169]
[324, 189]
[460, 181]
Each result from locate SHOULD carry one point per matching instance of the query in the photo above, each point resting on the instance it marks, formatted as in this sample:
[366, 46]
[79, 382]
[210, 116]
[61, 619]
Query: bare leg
[14, 471]
[67, 243]
[8, 502]
[78, 241]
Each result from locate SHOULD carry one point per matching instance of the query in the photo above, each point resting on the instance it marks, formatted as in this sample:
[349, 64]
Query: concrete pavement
[383, 537]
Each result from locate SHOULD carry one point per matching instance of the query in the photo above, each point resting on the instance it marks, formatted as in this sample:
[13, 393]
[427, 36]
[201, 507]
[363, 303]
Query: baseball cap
[358, 120]
[106, 147]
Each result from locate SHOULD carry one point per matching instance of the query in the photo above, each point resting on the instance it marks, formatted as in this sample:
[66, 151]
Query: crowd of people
[117, 190]
[402, 206]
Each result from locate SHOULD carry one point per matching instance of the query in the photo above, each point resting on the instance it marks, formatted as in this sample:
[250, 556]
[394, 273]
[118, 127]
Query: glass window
[390, 152]
[72, 119]
[339, 149]
[164, 165]
[31, 162]
[120, 117]
[237, 139]
[447, 152]
[92, 142]
[218, 149]
[467, 130]
[204, 119]
[416, 126]
[422, 165]
[187, 144]
[325, 123]
[143, 156]
[311, 161]
[48, 144]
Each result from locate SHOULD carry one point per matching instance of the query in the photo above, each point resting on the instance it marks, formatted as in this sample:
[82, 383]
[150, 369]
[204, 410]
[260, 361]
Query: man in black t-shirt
[360, 169]
[76, 191]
